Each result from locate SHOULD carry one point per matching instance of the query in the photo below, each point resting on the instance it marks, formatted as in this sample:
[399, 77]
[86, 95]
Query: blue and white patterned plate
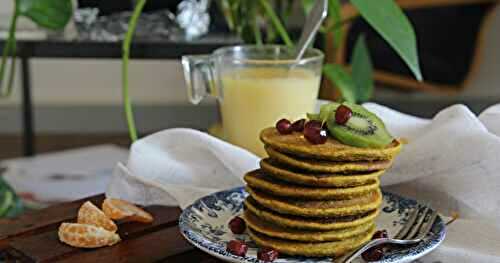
[204, 224]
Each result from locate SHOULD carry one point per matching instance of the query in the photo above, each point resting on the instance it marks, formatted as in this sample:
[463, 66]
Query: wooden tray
[33, 238]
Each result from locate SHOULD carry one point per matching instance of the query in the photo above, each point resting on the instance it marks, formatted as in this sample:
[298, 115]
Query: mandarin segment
[91, 215]
[86, 236]
[119, 209]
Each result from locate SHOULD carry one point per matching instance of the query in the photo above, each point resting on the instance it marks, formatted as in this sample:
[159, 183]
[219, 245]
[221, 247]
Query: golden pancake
[299, 222]
[257, 179]
[329, 208]
[322, 249]
[280, 172]
[263, 227]
[322, 166]
[332, 150]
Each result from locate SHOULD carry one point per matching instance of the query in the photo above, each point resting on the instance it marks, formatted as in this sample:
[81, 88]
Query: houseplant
[245, 18]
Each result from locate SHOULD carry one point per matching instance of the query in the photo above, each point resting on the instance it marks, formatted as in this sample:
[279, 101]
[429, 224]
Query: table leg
[28, 126]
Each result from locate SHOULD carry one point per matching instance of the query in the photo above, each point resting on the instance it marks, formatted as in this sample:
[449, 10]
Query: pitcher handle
[199, 76]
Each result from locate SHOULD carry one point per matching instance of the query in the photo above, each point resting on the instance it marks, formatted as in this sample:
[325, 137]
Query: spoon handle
[312, 24]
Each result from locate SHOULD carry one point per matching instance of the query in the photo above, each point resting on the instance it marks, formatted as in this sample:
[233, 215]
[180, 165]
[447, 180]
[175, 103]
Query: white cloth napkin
[451, 161]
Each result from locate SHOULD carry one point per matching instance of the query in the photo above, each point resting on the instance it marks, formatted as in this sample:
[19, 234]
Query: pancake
[263, 227]
[328, 208]
[309, 223]
[332, 150]
[322, 166]
[280, 172]
[331, 248]
[259, 180]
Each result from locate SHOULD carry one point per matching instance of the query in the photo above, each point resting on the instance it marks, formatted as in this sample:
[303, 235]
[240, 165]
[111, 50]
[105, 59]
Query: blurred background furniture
[98, 50]
[61, 47]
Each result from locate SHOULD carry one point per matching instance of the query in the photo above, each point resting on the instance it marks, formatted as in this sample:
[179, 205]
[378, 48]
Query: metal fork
[414, 231]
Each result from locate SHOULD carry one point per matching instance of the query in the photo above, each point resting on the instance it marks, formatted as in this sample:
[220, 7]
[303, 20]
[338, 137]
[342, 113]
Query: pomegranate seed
[284, 126]
[298, 126]
[237, 225]
[342, 114]
[314, 134]
[380, 234]
[237, 247]
[374, 254]
[267, 254]
[313, 124]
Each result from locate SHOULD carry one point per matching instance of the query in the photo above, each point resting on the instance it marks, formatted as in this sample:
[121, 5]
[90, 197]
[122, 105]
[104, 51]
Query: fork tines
[419, 223]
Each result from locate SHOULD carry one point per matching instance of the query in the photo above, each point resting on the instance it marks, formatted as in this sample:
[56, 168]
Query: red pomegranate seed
[313, 124]
[237, 225]
[237, 247]
[342, 114]
[267, 254]
[314, 134]
[298, 126]
[284, 126]
[374, 254]
[380, 234]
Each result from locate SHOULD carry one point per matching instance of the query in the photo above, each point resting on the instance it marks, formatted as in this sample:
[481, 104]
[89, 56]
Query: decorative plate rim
[219, 250]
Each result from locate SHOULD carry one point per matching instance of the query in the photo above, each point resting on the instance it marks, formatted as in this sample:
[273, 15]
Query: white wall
[98, 82]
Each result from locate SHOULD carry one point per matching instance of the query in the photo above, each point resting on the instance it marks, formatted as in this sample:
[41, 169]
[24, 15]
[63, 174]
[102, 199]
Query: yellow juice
[256, 98]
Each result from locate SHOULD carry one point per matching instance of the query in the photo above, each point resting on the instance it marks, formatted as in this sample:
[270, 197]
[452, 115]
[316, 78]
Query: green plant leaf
[387, 18]
[51, 14]
[10, 204]
[335, 18]
[362, 71]
[336, 74]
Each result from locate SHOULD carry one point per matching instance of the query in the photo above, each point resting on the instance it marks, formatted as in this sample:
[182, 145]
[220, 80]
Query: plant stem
[256, 32]
[9, 49]
[255, 27]
[276, 23]
[225, 8]
[127, 104]
[336, 25]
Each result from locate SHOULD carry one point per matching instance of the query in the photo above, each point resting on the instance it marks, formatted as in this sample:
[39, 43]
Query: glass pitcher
[255, 86]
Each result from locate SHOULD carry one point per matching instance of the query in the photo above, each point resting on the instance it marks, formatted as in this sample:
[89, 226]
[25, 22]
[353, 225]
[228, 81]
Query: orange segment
[119, 209]
[86, 236]
[91, 215]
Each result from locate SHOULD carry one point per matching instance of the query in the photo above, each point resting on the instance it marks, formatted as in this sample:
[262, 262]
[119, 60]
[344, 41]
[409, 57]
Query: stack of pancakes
[314, 200]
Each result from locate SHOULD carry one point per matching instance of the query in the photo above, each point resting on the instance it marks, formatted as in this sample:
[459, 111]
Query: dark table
[33, 238]
[60, 48]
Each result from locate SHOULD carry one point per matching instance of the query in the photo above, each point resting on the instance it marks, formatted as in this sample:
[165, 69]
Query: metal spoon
[313, 22]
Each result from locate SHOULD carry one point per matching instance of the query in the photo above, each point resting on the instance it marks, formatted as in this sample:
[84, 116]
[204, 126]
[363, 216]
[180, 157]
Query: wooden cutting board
[33, 238]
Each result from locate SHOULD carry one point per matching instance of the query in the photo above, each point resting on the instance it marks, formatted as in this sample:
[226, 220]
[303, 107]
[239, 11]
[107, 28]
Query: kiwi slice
[324, 112]
[313, 116]
[327, 109]
[363, 129]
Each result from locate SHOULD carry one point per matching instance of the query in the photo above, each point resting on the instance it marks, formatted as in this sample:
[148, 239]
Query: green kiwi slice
[363, 129]
[324, 112]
